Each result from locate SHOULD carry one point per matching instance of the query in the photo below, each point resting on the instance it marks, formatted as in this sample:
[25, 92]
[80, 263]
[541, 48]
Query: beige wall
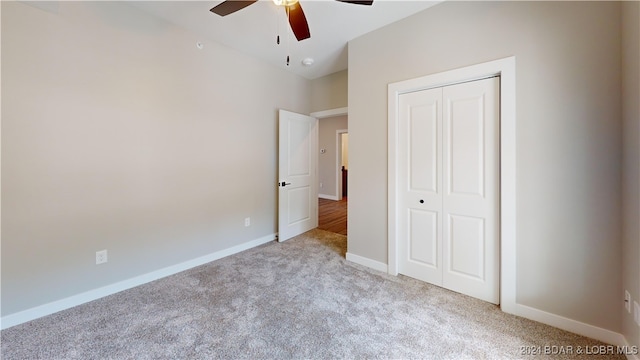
[328, 162]
[329, 92]
[568, 138]
[631, 162]
[116, 133]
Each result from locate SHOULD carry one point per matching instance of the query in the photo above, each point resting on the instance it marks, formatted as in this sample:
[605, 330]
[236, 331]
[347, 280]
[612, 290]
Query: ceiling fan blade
[230, 6]
[357, 2]
[298, 22]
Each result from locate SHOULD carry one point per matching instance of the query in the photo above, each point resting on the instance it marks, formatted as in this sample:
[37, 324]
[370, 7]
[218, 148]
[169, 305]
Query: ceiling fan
[297, 19]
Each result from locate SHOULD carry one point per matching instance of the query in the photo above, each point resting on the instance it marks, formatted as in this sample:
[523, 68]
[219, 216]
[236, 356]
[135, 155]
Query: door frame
[329, 114]
[506, 69]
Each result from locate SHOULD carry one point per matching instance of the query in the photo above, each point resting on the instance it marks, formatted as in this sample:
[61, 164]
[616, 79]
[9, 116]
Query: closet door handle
[421, 201]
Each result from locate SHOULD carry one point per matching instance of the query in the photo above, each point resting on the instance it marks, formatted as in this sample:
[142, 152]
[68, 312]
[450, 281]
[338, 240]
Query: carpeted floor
[292, 300]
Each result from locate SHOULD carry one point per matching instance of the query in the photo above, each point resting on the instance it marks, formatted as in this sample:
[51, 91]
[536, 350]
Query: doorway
[342, 171]
[333, 170]
[505, 68]
[448, 190]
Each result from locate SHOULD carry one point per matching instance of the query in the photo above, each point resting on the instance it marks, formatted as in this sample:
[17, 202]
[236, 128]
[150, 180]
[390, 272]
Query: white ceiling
[253, 30]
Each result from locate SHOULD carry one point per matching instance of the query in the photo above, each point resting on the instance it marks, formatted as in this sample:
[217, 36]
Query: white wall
[328, 162]
[116, 133]
[631, 162]
[568, 138]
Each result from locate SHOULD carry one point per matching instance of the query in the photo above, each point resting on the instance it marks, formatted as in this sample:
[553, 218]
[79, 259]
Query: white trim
[322, 115]
[375, 265]
[79, 299]
[630, 356]
[628, 345]
[576, 327]
[330, 113]
[328, 197]
[506, 69]
[339, 162]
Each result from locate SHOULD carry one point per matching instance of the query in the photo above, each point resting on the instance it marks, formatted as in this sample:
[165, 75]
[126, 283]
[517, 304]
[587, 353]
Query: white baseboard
[328, 197]
[544, 317]
[574, 326]
[577, 327]
[629, 346]
[376, 265]
[75, 300]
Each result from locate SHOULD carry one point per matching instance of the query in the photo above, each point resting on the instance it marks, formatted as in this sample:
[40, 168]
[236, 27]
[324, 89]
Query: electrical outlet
[627, 301]
[101, 257]
[321, 184]
[247, 221]
[636, 312]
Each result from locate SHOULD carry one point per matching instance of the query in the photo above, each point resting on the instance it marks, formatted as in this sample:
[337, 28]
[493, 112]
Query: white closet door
[448, 162]
[471, 183]
[420, 193]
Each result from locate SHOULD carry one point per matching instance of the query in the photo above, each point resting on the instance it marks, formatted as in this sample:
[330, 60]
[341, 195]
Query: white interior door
[472, 188]
[420, 195]
[448, 163]
[297, 174]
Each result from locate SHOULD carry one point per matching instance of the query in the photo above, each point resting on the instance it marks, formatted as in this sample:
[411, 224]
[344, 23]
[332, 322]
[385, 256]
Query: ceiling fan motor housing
[297, 19]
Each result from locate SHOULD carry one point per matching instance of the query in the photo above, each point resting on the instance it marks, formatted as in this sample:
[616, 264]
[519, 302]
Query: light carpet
[292, 300]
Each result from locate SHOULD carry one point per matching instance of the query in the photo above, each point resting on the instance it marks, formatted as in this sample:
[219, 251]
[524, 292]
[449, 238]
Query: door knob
[283, 184]
[421, 201]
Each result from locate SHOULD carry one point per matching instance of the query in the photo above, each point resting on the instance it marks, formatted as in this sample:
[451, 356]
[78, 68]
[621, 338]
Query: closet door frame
[505, 68]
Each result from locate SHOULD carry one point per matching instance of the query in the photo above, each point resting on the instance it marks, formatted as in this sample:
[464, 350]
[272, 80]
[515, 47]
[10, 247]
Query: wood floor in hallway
[332, 215]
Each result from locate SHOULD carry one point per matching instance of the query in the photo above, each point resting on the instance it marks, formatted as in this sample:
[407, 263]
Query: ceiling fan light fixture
[285, 2]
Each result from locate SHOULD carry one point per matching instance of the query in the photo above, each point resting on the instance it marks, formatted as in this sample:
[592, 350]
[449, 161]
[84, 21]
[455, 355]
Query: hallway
[332, 215]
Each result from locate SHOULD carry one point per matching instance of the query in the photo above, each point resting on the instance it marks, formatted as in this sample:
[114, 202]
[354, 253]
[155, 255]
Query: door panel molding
[427, 221]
